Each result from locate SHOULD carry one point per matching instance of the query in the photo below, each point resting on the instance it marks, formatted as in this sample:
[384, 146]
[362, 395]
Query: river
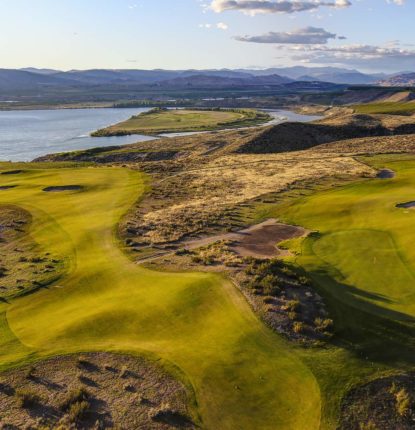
[25, 135]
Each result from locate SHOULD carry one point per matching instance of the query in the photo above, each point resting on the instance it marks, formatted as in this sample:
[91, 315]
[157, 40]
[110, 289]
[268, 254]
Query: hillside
[18, 80]
[203, 81]
[404, 80]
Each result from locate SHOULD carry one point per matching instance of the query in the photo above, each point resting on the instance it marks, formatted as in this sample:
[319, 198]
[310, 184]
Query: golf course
[159, 121]
[242, 375]
[198, 326]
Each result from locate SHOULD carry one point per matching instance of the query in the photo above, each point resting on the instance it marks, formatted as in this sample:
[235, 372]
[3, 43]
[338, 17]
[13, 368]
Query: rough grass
[195, 198]
[24, 265]
[243, 375]
[55, 395]
[391, 108]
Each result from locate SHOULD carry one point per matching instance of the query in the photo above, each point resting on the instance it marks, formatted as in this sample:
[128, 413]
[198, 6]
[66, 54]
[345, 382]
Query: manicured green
[362, 260]
[158, 121]
[391, 108]
[243, 375]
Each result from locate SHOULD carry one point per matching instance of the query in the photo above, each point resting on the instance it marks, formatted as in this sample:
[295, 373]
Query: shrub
[403, 402]
[27, 399]
[269, 281]
[303, 280]
[393, 389]
[298, 327]
[292, 305]
[323, 324]
[124, 372]
[78, 410]
[130, 388]
[292, 315]
[196, 259]
[36, 260]
[271, 290]
[30, 373]
[75, 396]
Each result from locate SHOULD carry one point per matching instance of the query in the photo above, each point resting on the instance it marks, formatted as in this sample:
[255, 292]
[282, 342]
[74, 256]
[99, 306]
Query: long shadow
[366, 329]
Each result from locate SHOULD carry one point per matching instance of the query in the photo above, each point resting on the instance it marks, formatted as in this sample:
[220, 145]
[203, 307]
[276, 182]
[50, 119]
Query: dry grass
[229, 181]
[54, 398]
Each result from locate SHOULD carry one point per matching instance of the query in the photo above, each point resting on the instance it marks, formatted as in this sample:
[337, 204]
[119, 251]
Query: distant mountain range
[403, 80]
[40, 80]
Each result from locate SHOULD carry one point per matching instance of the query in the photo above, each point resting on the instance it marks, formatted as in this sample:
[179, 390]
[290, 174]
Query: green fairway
[362, 260]
[360, 257]
[158, 121]
[243, 375]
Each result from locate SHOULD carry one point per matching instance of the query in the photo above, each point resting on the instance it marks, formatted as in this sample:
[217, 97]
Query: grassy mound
[158, 121]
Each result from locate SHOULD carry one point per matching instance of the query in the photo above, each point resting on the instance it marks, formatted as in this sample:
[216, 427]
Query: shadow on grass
[369, 330]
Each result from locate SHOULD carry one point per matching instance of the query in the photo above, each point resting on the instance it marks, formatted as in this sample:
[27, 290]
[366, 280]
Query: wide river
[25, 135]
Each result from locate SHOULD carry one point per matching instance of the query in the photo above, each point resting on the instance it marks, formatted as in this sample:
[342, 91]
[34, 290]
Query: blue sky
[372, 35]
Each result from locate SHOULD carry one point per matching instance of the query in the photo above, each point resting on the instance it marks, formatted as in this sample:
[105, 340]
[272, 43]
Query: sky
[369, 35]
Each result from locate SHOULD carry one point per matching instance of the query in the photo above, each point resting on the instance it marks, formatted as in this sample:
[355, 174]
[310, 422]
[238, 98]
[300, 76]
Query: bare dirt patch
[93, 391]
[383, 404]
[57, 189]
[259, 241]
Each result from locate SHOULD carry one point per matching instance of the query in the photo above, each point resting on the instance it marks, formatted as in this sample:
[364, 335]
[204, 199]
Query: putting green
[364, 241]
[243, 375]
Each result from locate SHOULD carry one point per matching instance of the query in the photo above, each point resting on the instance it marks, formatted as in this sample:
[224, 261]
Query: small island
[161, 120]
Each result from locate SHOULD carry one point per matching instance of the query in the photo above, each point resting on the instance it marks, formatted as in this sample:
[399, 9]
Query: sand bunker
[406, 205]
[385, 174]
[58, 189]
[259, 241]
[7, 187]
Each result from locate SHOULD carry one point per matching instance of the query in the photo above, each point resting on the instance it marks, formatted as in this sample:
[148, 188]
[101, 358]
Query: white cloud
[308, 35]
[398, 2]
[253, 7]
[385, 57]
[219, 25]
[222, 26]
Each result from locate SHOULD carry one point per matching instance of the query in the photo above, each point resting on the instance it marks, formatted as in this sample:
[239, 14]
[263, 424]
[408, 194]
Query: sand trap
[385, 174]
[7, 187]
[406, 205]
[259, 241]
[58, 189]
[12, 172]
